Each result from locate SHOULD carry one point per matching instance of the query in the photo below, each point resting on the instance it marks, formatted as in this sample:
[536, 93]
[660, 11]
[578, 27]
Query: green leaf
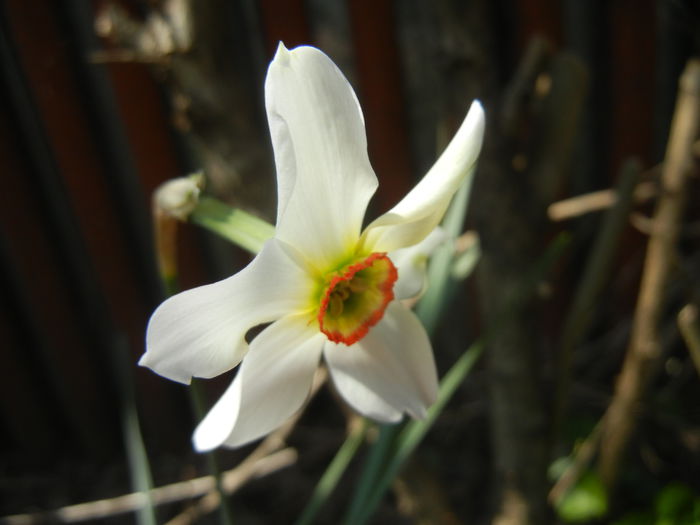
[333, 472]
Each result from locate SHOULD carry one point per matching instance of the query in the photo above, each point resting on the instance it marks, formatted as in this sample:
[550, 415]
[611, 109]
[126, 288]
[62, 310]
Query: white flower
[329, 288]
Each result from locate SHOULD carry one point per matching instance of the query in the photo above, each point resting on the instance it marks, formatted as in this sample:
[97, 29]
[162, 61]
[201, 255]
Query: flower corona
[355, 298]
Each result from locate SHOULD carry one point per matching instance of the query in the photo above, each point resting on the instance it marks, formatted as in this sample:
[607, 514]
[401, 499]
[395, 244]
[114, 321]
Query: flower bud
[179, 197]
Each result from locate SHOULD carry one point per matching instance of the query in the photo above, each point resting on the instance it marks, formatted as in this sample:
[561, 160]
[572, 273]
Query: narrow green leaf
[428, 310]
[333, 473]
[414, 431]
[373, 467]
[439, 272]
[137, 457]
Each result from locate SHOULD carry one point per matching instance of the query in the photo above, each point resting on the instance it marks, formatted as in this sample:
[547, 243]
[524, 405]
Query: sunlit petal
[323, 173]
[200, 332]
[411, 264]
[417, 214]
[273, 382]
[390, 371]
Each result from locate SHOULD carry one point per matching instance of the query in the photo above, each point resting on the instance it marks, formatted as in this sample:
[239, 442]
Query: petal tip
[144, 361]
[476, 114]
[201, 444]
[282, 55]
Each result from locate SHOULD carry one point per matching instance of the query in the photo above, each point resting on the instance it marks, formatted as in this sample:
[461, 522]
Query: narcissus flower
[329, 289]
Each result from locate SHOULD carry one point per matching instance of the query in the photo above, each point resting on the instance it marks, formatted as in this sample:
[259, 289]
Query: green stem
[238, 226]
[169, 281]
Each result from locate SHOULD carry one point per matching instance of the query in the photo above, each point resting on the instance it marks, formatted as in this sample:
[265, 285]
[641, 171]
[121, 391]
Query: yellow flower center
[355, 298]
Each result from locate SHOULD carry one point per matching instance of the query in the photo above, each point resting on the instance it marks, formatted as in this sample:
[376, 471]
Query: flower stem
[238, 226]
[165, 226]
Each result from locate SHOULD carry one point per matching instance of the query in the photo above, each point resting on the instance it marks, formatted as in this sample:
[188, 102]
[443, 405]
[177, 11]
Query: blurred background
[102, 101]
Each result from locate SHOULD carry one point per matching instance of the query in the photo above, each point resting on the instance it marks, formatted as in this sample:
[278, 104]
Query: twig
[596, 201]
[233, 480]
[690, 330]
[644, 349]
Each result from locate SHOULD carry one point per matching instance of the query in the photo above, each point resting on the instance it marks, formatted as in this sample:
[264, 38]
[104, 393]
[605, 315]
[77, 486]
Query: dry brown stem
[596, 201]
[689, 324]
[582, 459]
[644, 350]
[191, 488]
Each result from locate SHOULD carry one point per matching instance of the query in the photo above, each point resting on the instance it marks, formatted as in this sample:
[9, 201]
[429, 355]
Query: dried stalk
[645, 350]
[596, 201]
[232, 479]
[581, 461]
[688, 322]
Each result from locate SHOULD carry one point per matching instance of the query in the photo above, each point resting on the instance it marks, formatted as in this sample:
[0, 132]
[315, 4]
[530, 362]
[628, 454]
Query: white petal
[324, 177]
[411, 264]
[272, 383]
[417, 214]
[390, 371]
[200, 332]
